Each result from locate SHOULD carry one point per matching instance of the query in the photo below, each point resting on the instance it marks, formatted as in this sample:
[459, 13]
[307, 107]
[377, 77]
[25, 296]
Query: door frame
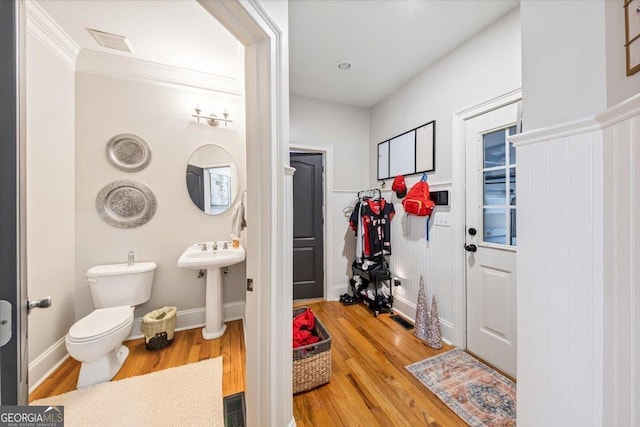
[458, 199]
[269, 193]
[14, 389]
[327, 189]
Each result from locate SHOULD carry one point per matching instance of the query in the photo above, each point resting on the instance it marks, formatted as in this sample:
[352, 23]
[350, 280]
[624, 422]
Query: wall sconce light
[212, 119]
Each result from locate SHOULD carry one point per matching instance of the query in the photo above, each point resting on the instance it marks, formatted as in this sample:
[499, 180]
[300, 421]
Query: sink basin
[212, 260]
[194, 257]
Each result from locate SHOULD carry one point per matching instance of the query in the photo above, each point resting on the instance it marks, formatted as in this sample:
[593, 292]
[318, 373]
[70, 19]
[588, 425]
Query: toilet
[96, 339]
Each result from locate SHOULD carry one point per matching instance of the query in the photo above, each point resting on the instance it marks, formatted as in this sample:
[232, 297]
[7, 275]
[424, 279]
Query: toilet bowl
[96, 339]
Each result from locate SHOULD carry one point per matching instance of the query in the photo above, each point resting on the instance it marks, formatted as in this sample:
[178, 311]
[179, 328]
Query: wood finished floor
[369, 385]
[188, 347]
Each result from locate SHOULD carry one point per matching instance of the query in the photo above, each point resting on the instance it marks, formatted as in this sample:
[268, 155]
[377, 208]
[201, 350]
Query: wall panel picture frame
[412, 152]
[632, 34]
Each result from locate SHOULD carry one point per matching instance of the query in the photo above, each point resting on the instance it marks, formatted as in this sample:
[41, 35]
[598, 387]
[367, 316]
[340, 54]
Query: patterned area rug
[478, 394]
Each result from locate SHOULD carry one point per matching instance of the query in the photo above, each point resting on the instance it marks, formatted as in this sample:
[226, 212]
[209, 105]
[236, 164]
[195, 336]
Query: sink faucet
[215, 246]
[130, 258]
[204, 246]
[225, 246]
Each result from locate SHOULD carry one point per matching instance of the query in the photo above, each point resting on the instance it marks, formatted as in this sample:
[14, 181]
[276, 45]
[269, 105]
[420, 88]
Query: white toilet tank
[114, 285]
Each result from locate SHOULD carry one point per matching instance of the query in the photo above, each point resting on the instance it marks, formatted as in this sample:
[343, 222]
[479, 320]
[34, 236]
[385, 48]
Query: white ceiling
[387, 41]
[173, 32]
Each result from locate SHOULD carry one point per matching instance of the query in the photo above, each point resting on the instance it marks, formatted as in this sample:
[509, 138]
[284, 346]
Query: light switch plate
[442, 219]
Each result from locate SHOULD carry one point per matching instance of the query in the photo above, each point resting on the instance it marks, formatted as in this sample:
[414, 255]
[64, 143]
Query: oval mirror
[212, 179]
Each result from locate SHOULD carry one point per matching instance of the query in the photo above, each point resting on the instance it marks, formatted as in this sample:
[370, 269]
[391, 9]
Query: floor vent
[401, 320]
[234, 410]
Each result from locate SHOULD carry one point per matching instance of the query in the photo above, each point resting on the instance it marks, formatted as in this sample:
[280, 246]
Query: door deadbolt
[472, 231]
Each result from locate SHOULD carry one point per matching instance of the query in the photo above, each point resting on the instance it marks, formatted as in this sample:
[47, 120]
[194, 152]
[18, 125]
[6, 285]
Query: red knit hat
[399, 186]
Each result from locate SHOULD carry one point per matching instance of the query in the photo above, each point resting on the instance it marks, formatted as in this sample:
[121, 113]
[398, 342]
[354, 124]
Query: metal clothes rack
[378, 276]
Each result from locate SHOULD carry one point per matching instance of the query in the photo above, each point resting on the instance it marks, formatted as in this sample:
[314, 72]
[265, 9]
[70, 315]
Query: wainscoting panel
[621, 280]
[412, 255]
[578, 287]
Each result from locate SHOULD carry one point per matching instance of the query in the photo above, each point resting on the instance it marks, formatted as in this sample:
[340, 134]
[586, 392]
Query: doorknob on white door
[39, 303]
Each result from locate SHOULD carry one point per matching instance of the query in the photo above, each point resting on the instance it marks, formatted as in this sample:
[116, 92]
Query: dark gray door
[13, 313]
[308, 238]
[195, 185]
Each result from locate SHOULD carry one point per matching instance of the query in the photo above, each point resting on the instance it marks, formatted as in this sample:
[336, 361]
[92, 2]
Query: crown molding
[122, 67]
[45, 29]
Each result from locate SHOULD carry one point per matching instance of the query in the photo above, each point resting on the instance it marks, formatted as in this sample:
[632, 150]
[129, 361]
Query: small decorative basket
[158, 328]
[312, 363]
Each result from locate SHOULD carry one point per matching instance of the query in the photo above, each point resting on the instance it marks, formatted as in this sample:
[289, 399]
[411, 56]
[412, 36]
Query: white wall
[578, 299]
[563, 63]
[621, 327]
[619, 85]
[50, 197]
[486, 66]
[162, 116]
[345, 130]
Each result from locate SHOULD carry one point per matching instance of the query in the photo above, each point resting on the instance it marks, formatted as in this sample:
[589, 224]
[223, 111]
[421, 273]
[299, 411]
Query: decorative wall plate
[126, 204]
[128, 152]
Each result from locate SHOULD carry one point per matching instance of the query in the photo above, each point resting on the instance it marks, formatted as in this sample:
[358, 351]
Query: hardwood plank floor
[188, 347]
[369, 385]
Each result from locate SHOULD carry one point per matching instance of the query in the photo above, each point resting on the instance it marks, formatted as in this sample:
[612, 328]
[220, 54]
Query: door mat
[478, 394]
[402, 321]
[234, 410]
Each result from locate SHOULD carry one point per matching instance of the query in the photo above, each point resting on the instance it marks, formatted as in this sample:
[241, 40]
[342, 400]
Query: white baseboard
[194, 318]
[234, 311]
[407, 309]
[44, 365]
[334, 294]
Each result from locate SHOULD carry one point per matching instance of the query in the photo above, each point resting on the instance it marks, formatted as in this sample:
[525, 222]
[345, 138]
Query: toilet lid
[100, 322]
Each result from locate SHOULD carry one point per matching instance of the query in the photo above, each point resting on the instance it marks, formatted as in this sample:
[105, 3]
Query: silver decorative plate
[128, 152]
[126, 204]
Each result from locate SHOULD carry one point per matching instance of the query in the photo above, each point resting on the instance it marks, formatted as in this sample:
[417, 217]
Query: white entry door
[491, 237]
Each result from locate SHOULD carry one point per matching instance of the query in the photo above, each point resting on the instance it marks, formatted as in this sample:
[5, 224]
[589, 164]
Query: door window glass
[499, 192]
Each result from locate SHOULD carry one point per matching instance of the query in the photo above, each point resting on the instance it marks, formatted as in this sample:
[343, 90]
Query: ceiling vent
[111, 41]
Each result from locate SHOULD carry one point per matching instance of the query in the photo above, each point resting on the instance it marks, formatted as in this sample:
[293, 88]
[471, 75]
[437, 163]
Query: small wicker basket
[158, 328]
[312, 363]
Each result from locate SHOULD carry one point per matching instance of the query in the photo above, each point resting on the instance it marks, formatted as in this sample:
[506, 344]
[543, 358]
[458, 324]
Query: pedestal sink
[212, 256]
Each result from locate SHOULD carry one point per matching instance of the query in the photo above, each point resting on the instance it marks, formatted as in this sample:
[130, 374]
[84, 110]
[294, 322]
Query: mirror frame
[196, 172]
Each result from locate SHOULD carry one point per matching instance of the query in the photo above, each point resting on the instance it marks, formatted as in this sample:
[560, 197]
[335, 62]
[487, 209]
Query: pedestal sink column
[212, 256]
[214, 324]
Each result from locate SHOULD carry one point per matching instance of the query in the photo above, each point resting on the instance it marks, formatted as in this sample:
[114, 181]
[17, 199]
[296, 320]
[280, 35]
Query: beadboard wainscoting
[578, 295]
[412, 256]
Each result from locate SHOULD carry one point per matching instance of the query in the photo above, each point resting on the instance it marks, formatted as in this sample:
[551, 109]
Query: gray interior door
[195, 185]
[13, 312]
[308, 237]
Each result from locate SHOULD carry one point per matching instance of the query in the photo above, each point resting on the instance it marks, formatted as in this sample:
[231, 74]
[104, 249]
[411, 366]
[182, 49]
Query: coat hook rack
[212, 119]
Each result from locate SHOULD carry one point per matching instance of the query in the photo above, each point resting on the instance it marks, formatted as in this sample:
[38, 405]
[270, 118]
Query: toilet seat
[101, 322]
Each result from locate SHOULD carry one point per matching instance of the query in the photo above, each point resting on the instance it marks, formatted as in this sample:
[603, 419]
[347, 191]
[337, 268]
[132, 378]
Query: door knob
[470, 248]
[39, 303]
